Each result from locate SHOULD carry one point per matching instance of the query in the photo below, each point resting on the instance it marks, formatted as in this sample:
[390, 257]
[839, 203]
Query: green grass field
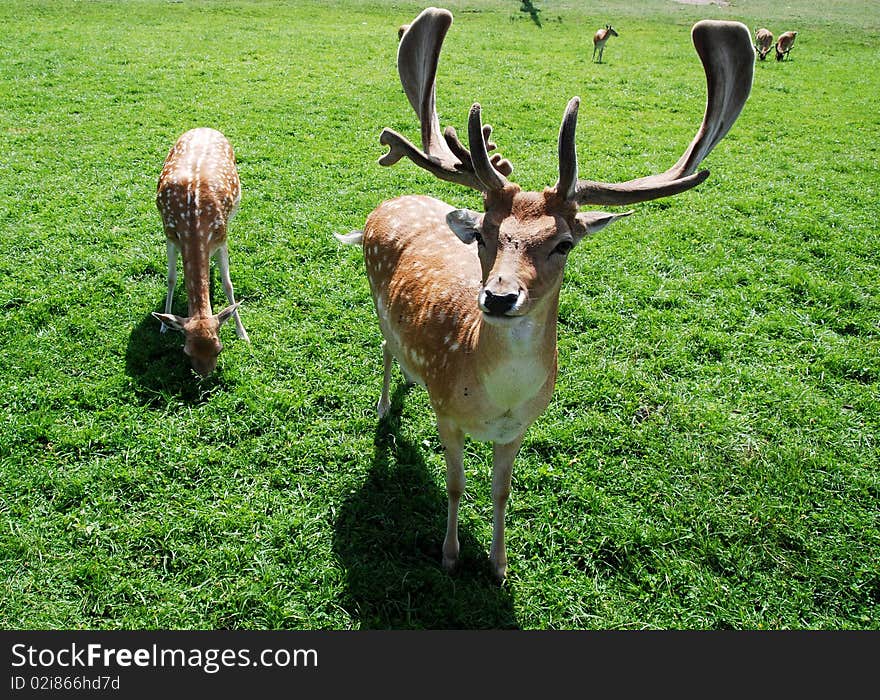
[709, 459]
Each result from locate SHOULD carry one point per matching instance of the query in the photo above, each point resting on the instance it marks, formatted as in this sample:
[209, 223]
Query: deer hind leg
[406, 376]
[384, 402]
[502, 469]
[223, 264]
[453, 443]
[171, 251]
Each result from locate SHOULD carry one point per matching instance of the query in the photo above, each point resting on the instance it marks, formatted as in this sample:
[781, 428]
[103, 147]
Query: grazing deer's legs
[502, 469]
[453, 442]
[223, 264]
[594, 52]
[171, 249]
[384, 401]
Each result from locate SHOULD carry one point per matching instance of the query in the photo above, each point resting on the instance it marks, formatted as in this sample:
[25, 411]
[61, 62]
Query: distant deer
[763, 42]
[401, 30]
[198, 193]
[600, 38]
[467, 302]
[784, 44]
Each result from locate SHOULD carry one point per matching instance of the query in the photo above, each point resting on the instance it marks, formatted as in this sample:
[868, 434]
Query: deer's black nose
[498, 305]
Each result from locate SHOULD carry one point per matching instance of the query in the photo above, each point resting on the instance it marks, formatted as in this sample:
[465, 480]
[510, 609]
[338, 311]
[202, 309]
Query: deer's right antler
[444, 155]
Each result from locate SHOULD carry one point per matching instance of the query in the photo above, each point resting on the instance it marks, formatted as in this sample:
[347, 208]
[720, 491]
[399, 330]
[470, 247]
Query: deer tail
[353, 238]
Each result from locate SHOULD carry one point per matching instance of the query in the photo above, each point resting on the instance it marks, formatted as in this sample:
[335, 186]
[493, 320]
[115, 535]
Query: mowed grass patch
[709, 459]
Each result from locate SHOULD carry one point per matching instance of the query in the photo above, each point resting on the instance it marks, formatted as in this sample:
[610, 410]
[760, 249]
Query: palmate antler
[444, 155]
[725, 49]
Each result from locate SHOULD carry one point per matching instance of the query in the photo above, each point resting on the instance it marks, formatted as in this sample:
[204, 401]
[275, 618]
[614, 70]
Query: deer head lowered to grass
[784, 44]
[467, 301]
[197, 195]
[763, 42]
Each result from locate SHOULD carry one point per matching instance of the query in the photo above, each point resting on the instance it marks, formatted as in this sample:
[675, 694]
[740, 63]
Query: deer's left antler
[725, 49]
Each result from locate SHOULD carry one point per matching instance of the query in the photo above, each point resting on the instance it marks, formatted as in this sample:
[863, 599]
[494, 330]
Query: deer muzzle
[500, 304]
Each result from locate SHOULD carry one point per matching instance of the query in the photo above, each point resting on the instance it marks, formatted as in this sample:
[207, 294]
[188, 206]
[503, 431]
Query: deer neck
[197, 277]
[514, 361]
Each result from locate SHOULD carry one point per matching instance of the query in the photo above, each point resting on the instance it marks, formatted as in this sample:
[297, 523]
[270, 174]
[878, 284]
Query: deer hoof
[382, 407]
[450, 564]
[499, 570]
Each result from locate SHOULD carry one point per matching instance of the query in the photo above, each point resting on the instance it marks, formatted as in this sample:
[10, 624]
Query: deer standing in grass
[600, 38]
[763, 42]
[197, 195]
[784, 44]
[467, 301]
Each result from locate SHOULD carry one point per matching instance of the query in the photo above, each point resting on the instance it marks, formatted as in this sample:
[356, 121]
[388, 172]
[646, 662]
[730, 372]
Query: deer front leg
[223, 264]
[502, 470]
[453, 443]
[171, 251]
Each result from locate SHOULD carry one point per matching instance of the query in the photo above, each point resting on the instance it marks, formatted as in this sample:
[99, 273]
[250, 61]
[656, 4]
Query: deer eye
[563, 247]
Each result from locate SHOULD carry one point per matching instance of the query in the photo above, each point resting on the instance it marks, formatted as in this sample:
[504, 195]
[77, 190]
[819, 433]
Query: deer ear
[174, 322]
[589, 222]
[465, 224]
[226, 314]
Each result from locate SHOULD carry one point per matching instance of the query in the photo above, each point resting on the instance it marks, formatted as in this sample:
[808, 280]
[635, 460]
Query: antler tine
[444, 155]
[725, 49]
[458, 148]
[568, 164]
[483, 167]
[502, 165]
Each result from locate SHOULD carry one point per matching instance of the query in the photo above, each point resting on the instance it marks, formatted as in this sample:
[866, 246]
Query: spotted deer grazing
[600, 38]
[198, 194]
[763, 42]
[467, 301]
[784, 44]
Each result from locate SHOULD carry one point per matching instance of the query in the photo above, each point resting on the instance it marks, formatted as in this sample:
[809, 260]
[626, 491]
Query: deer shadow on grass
[389, 534]
[160, 370]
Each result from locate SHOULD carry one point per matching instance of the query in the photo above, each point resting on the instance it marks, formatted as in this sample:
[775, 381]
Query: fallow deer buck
[763, 42]
[600, 38]
[467, 302]
[784, 44]
[197, 195]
